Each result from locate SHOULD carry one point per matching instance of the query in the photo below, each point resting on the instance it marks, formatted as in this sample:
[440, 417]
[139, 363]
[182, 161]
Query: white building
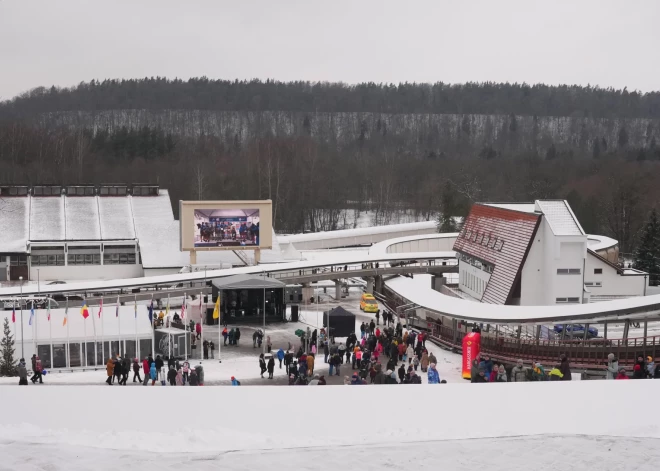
[88, 232]
[537, 254]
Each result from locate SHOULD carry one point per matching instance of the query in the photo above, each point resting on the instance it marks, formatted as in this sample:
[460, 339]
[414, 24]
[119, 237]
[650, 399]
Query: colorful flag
[31, 313]
[66, 314]
[117, 309]
[151, 311]
[183, 307]
[167, 309]
[49, 310]
[216, 309]
[84, 311]
[100, 308]
[13, 315]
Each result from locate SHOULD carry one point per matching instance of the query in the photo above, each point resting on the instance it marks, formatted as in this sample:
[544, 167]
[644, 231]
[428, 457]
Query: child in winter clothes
[185, 371]
[415, 361]
[501, 376]
[179, 378]
[153, 373]
[622, 374]
[171, 376]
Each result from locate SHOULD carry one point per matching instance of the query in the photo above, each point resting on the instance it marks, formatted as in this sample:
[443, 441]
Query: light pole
[21, 304]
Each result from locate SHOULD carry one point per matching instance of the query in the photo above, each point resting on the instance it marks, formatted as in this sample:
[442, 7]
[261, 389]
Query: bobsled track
[447, 317]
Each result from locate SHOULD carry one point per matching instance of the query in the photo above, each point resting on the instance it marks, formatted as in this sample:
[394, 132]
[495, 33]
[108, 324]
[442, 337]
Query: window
[474, 237]
[468, 234]
[480, 237]
[492, 242]
[84, 255]
[18, 260]
[498, 245]
[568, 271]
[567, 300]
[598, 271]
[485, 241]
[593, 283]
[47, 256]
[119, 255]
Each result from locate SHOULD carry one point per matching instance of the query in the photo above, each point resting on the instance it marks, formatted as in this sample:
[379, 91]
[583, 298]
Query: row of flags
[84, 311]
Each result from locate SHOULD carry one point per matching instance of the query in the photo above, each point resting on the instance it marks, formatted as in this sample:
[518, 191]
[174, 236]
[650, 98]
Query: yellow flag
[216, 309]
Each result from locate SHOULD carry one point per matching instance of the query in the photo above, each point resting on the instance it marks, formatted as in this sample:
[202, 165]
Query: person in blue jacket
[433, 375]
[487, 365]
[280, 356]
[235, 382]
[153, 373]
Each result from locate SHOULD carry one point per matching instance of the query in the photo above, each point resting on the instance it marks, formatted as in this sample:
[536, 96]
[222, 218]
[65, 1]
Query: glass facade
[74, 355]
[59, 355]
[43, 352]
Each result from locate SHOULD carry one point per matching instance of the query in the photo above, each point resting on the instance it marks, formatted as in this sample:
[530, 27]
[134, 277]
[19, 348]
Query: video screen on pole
[226, 227]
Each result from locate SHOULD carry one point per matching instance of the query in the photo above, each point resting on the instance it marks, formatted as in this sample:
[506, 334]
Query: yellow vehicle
[368, 303]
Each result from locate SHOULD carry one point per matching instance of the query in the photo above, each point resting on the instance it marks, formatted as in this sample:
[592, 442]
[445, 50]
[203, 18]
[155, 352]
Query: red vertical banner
[471, 349]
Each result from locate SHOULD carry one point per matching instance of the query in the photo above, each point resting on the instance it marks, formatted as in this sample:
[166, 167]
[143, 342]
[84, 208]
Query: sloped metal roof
[501, 237]
[560, 217]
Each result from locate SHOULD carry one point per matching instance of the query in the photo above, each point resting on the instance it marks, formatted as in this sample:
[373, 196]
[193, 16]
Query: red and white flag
[183, 307]
[100, 308]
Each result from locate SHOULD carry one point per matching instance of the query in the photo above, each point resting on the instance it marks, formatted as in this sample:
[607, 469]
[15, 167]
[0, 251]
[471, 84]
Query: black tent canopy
[342, 322]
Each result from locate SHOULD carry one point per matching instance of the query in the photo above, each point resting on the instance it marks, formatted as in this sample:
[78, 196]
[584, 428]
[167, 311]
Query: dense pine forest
[317, 149]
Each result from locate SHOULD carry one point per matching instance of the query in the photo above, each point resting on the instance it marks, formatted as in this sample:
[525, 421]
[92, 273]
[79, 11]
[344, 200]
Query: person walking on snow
[171, 376]
[22, 373]
[109, 370]
[146, 366]
[433, 375]
[136, 371]
[186, 371]
[271, 367]
[269, 344]
[179, 378]
[280, 356]
[310, 364]
[378, 317]
[262, 364]
[425, 361]
[225, 334]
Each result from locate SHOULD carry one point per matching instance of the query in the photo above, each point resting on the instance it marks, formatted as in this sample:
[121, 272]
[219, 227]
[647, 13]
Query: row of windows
[487, 267]
[569, 271]
[79, 259]
[567, 300]
[486, 240]
[56, 190]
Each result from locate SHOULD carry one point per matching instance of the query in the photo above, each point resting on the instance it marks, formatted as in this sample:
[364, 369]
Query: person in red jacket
[622, 374]
[145, 368]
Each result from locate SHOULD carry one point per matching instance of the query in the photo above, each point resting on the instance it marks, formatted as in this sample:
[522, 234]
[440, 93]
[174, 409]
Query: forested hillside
[319, 148]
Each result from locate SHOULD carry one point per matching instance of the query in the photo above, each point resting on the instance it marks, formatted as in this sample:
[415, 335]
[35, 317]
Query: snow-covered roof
[14, 224]
[560, 217]
[522, 207]
[247, 282]
[150, 219]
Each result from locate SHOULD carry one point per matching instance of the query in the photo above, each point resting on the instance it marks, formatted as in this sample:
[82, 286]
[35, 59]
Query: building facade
[537, 254]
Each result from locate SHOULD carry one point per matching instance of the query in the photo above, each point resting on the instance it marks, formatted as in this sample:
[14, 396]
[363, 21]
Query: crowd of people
[164, 371]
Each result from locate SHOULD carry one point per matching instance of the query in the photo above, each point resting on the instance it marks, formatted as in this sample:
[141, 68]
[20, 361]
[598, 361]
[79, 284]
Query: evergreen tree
[449, 209]
[7, 362]
[647, 255]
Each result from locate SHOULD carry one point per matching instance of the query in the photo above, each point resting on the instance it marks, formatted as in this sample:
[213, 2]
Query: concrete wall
[612, 284]
[532, 285]
[86, 272]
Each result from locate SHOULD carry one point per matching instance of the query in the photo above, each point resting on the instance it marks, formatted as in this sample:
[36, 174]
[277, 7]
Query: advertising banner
[471, 348]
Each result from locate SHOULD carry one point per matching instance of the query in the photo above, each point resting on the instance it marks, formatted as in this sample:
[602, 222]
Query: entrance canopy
[246, 282]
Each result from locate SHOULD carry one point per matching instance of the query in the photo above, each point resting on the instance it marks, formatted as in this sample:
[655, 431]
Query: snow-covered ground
[511, 426]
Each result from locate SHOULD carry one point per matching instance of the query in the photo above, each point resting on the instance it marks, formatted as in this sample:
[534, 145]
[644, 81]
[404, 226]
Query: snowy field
[510, 426]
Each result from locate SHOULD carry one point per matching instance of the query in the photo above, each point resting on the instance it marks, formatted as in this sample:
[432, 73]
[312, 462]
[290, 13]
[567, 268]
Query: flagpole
[119, 331]
[153, 334]
[102, 335]
[68, 346]
[137, 344]
[219, 327]
[94, 327]
[201, 326]
[85, 332]
[50, 335]
[185, 327]
[36, 329]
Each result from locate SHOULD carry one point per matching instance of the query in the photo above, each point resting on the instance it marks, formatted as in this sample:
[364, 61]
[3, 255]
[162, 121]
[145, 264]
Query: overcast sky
[64, 42]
